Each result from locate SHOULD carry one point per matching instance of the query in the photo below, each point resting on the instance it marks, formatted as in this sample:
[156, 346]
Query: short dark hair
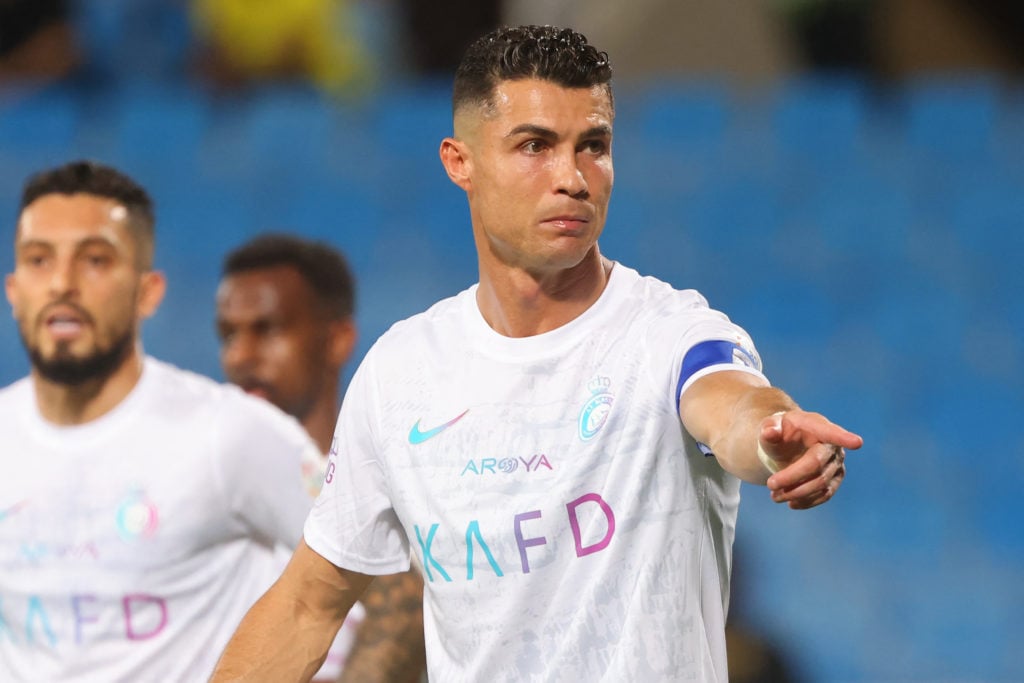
[559, 55]
[319, 264]
[92, 178]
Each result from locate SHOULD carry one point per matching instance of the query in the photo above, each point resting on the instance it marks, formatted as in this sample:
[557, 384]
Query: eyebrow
[25, 244]
[548, 134]
[83, 244]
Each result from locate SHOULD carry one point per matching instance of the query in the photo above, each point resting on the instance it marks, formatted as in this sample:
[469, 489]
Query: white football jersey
[131, 546]
[569, 528]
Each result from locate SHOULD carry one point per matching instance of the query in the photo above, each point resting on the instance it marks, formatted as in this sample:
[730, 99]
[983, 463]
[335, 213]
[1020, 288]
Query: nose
[568, 176]
[63, 279]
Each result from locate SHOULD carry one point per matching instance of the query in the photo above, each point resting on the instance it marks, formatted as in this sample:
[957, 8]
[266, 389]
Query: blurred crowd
[346, 46]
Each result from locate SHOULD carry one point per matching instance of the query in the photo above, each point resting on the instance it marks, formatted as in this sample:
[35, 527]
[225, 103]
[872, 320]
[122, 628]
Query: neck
[68, 405]
[519, 303]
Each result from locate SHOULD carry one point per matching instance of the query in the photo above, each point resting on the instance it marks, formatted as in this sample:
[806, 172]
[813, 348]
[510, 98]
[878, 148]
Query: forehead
[60, 218]
[545, 103]
[274, 291]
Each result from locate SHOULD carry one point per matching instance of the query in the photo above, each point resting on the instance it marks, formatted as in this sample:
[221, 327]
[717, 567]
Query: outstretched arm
[286, 634]
[735, 412]
[389, 643]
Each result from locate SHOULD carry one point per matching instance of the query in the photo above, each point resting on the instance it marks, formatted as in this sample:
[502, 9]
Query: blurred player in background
[285, 310]
[140, 504]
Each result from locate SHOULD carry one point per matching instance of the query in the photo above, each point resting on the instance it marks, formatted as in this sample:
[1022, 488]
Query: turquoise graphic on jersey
[416, 436]
[595, 411]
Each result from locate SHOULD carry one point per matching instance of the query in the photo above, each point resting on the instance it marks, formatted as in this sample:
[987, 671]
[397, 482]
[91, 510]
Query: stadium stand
[868, 238]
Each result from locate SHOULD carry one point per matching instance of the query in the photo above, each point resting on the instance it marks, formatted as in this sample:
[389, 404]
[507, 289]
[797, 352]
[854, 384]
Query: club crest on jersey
[137, 516]
[596, 410]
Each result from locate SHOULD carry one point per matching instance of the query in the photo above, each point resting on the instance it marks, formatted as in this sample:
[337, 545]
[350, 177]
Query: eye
[97, 259]
[33, 258]
[534, 146]
[595, 146]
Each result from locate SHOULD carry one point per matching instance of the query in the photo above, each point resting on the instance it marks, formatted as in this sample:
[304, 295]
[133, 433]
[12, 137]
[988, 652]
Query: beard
[70, 371]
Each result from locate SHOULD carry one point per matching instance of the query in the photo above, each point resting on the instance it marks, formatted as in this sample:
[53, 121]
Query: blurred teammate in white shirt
[285, 310]
[140, 504]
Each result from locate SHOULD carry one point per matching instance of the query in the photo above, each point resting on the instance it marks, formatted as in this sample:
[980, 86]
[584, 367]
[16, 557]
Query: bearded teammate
[139, 504]
[562, 444]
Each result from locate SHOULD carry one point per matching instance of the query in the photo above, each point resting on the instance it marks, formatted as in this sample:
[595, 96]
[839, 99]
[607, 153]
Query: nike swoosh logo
[416, 436]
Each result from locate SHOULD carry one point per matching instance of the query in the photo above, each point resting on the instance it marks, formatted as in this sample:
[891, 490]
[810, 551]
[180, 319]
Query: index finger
[809, 429]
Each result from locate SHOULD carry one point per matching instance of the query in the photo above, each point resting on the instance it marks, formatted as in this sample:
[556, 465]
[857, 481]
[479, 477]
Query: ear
[152, 287]
[342, 342]
[457, 162]
[10, 284]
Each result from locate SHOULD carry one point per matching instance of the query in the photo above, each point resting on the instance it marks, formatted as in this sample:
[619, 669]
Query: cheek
[286, 356]
[600, 176]
[21, 297]
[516, 179]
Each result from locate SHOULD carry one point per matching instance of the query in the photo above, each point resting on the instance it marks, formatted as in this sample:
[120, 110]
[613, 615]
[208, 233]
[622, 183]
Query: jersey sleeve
[353, 523]
[266, 458]
[707, 342]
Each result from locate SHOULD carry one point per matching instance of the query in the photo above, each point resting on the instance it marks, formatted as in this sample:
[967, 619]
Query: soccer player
[284, 319]
[562, 444]
[140, 504]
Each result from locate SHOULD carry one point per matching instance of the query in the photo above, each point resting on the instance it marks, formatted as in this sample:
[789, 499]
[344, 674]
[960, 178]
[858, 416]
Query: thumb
[770, 450]
[771, 429]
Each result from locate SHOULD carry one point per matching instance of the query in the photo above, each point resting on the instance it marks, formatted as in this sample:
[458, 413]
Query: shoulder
[184, 394]
[441, 321]
[654, 298]
[671, 321]
[16, 392]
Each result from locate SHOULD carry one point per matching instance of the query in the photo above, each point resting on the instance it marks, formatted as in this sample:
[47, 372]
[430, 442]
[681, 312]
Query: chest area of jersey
[81, 510]
[498, 425]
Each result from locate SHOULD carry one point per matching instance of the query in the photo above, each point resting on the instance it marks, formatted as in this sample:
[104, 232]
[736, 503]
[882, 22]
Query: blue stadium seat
[283, 128]
[951, 119]
[409, 123]
[159, 124]
[824, 118]
[38, 125]
[326, 209]
[134, 40]
[987, 213]
[686, 118]
[857, 212]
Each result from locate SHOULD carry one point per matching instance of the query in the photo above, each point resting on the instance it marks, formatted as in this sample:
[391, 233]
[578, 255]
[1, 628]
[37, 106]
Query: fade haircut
[92, 178]
[320, 265]
[559, 55]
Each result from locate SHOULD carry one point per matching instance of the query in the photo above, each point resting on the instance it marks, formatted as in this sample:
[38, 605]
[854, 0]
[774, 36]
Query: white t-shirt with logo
[131, 546]
[569, 528]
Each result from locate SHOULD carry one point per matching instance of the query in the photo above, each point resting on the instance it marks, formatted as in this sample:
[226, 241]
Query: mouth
[568, 223]
[255, 388]
[64, 322]
[258, 392]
